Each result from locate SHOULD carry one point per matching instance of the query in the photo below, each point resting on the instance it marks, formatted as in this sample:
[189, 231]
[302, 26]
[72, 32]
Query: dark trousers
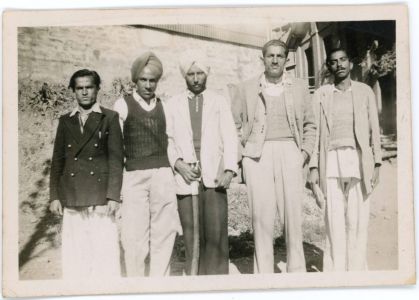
[213, 230]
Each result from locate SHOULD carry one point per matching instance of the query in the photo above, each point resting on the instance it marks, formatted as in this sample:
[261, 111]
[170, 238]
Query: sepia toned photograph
[155, 149]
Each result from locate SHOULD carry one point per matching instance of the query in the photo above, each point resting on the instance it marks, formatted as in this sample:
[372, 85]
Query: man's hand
[111, 207]
[224, 180]
[56, 208]
[375, 177]
[305, 157]
[186, 171]
[313, 177]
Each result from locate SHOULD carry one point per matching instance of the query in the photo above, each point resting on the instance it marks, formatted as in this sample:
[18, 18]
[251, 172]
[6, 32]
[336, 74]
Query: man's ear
[261, 58]
[351, 65]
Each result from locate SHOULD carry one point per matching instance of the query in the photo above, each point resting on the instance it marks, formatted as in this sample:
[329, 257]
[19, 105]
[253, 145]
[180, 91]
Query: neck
[197, 93]
[343, 84]
[146, 100]
[85, 110]
[273, 79]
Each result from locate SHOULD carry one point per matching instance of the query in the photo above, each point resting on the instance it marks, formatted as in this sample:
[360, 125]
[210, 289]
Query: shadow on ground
[241, 255]
[47, 228]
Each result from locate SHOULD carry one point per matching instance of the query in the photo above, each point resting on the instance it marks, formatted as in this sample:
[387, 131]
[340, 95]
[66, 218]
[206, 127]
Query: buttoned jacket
[218, 137]
[86, 168]
[366, 128]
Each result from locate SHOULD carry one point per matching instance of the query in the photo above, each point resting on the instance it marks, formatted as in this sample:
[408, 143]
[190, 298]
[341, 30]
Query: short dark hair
[84, 73]
[334, 50]
[275, 42]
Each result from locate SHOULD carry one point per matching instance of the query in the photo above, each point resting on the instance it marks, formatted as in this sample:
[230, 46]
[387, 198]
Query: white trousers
[275, 184]
[149, 220]
[346, 226]
[347, 213]
[90, 245]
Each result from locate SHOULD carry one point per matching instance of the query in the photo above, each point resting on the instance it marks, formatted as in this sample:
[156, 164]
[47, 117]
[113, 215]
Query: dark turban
[148, 59]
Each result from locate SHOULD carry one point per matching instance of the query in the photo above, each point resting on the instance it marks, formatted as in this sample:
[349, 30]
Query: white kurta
[90, 244]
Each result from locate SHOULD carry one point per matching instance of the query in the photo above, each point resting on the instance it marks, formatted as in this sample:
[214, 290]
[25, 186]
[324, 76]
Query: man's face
[196, 80]
[274, 61]
[339, 65]
[86, 91]
[147, 83]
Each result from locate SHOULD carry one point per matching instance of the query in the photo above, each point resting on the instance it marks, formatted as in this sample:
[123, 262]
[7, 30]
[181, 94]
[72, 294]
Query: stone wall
[52, 54]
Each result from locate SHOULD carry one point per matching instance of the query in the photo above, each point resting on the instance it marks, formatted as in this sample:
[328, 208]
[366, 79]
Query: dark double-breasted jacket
[86, 167]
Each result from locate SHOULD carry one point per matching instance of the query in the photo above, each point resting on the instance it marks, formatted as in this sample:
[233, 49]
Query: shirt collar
[264, 83]
[190, 94]
[138, 98]
[339, 91]
[95, 108]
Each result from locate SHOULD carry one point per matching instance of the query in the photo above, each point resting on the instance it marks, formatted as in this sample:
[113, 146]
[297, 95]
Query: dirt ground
[40, 255]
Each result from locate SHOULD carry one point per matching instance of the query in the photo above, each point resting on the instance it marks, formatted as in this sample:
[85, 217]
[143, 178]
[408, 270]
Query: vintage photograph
[176, 148]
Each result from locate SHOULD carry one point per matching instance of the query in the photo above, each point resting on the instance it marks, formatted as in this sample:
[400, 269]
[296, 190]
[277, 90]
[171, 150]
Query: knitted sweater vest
[145, 137]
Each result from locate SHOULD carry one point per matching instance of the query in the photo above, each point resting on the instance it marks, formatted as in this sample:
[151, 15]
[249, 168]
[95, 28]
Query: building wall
[52, 54]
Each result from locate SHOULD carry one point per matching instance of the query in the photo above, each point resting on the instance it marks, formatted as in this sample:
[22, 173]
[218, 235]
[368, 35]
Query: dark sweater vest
[145, 137]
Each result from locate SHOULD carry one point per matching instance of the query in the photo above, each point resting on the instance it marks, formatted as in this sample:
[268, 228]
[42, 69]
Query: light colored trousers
[90, 244]
[275, 184]
[347, 214]
[149, 220]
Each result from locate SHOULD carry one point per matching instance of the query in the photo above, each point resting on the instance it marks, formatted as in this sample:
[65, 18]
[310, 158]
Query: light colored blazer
[252, 125]
[218, 137]
[367, 130]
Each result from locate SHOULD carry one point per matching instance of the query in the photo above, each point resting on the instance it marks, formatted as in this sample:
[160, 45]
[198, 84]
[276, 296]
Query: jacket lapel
[290, 111]
[73, 125]
[92, 123]
[326, 103]
[252, 97]
[183, 109]
[208, 107]
[357, 103]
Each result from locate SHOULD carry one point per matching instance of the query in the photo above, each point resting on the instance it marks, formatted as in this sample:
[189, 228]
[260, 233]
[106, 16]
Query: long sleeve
[314, 157]
[375, 127]
[115, 159]
[172, 153]
[239, 115]
[229, 135]
[309, 123]
[58, 161]
[121, 108]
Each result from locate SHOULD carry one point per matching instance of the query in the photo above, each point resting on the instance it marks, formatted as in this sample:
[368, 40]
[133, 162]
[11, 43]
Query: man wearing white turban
[206, 143]
[149, 212]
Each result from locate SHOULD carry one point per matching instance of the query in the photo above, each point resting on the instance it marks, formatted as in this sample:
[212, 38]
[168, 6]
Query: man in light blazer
[273, 113]
[345, 163]
[206, 142]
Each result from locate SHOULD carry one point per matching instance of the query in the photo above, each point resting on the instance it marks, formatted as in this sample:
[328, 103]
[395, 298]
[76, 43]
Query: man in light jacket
[206, 143]
[274, 116]
[345, 163]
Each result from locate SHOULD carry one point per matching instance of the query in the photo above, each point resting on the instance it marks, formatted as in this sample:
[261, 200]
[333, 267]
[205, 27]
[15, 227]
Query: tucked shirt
[342, 133]
[195, 112]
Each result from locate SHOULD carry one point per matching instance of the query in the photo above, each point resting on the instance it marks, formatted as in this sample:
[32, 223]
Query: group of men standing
[169, 164]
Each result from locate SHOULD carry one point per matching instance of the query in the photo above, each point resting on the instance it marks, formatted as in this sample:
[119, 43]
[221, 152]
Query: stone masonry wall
[52, 54]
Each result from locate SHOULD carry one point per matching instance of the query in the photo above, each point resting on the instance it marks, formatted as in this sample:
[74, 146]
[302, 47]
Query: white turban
[189, 60]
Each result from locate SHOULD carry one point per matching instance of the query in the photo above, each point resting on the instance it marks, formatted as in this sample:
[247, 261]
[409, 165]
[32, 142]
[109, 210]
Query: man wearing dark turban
[149, 212]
